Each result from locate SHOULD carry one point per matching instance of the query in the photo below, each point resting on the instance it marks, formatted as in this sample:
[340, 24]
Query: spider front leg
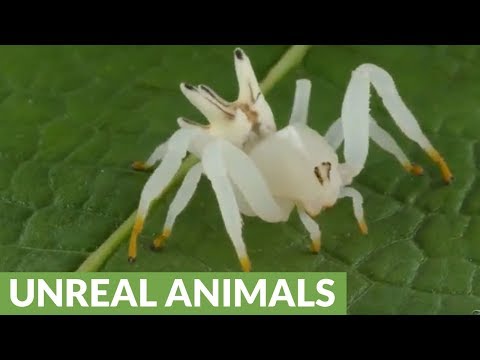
[176, 150]
[334, 134]
[215, 170]
[251, 184]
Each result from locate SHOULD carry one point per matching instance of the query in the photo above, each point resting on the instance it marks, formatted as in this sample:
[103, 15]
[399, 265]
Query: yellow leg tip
[246, 264]
[363, 227]
[138, 226]
[315, 246]
[139, 165]
[159, 241]
[442, 164]
[414, 169]
[132, 246]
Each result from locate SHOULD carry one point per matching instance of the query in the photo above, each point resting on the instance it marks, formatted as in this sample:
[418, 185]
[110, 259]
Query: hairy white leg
[403, 117]
[248, 179]
[213, 167]
[312, 228]
[177, 147]
[357, 206]
[301, 101]
[181, 200]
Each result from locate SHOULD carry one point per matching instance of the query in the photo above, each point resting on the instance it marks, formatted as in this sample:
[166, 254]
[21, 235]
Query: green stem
[290, 59]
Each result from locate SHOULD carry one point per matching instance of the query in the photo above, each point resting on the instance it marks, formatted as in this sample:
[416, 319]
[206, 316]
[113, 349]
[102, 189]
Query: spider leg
[156, 156]
[385, 86]
[245, 208]
[246, 177]
[189, 124]
[210, 94]
[357, 206]
[235, 179]
[176, 150]
[181, 200]
[301, 101]
[387, 143]
[355, 122]
[312, 228]
[214, 167]
[334, 136]
[161, 149]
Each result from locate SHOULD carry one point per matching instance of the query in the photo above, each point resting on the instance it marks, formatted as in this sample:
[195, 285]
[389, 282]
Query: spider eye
[323, 172]
[316, 171]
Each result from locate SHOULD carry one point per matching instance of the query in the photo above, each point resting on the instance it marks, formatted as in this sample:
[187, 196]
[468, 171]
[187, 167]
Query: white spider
[256, 171]
[232, 125]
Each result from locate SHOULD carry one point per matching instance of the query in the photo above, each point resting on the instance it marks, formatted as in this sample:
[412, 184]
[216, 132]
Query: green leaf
[73, 119]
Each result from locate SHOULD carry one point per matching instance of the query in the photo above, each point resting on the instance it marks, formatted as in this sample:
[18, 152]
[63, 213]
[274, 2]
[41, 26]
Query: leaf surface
[74, 118]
